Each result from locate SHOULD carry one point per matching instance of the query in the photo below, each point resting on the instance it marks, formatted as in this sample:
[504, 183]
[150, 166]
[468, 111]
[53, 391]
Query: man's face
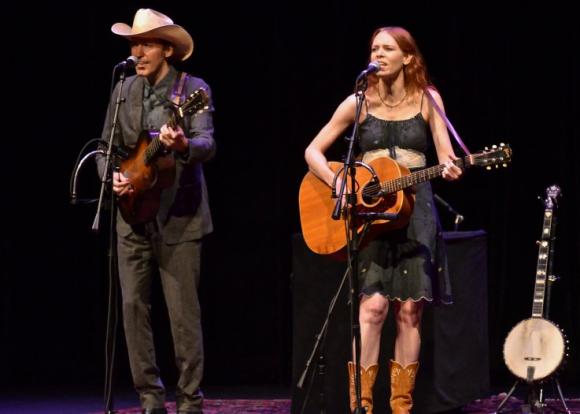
[152, 56]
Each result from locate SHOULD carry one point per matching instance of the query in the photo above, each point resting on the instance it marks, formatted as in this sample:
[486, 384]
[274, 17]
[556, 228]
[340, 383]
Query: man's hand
[173, 139]
[121, 184]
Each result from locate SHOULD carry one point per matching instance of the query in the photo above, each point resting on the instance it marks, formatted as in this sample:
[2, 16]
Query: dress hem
[398, 299]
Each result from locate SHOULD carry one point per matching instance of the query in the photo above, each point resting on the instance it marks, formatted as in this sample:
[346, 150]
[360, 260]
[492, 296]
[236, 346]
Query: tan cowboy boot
[367, 380]
[402, 386]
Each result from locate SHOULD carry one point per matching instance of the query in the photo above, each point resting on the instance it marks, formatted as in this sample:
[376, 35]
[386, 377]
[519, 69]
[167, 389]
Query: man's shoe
[154, 411]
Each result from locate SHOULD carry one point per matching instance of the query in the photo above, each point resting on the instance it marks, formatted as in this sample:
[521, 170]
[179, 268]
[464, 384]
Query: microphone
[371, 215]
[128, 63]
[373, 67]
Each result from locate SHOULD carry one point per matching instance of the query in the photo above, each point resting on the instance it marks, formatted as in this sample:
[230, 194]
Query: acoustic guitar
[535, 348]
[150, 167]
[383, 186]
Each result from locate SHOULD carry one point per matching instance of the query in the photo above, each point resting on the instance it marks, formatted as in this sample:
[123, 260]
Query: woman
[407, 267]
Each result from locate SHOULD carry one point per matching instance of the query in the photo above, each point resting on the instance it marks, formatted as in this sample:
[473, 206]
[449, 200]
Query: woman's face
[387, 52]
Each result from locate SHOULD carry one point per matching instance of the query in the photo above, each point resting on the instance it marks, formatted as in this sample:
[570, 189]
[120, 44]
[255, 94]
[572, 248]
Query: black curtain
[278, 71]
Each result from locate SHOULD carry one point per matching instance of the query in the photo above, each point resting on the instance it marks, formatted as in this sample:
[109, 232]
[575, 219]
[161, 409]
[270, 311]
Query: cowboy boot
[367, 380]
[402, 386]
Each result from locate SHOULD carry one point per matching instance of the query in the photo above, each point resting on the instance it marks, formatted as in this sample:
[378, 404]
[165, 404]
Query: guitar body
[322, 234]
[150, 168]
[148, 180]
[389, 190]
[534, 349]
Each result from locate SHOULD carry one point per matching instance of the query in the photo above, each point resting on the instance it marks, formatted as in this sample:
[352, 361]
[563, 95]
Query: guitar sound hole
[372, 193]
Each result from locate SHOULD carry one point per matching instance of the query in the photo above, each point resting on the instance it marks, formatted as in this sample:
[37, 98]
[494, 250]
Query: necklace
[391, 105]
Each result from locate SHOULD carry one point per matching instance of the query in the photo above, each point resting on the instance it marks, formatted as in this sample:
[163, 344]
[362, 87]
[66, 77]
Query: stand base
[535, 404]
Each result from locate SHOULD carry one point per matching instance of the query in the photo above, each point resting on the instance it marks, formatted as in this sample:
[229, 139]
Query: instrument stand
[535, 401]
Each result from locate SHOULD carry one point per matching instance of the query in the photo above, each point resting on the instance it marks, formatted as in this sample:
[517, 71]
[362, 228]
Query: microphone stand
[112, 314]
[321, 363]
[112, 311]
[349, 170]
[106, 172]
[352, 218]
[458, 217]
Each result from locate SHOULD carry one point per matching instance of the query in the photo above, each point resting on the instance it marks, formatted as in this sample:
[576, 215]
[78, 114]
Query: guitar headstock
[553, 192]
[496, 156]
[196, 102]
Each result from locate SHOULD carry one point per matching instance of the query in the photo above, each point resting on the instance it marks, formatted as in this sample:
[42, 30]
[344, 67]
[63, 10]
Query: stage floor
[77, 400]
[228, 400]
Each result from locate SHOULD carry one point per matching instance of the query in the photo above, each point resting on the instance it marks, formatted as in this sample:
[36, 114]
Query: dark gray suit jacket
[184, 213]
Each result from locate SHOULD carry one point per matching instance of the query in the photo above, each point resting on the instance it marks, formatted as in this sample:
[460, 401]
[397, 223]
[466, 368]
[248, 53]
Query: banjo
[535, 348]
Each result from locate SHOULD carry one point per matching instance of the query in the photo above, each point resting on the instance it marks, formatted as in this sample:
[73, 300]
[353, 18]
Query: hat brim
[176, 35]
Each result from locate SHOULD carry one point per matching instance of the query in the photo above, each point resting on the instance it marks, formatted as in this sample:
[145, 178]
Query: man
[169, 242]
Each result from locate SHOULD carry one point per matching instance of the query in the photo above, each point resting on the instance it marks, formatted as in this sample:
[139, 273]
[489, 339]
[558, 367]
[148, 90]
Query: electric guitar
[150, 168]
[536, 347]
[383, 186]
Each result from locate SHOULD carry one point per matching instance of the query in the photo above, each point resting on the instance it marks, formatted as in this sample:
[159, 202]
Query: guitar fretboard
[155, 147]
[542, 267]
[196, 102]
[417, 177]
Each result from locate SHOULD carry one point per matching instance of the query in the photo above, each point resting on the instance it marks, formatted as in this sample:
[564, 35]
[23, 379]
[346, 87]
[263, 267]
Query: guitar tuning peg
[486, 148]
[504, 165]
[501, 144]
[494, 146]
[488, 168]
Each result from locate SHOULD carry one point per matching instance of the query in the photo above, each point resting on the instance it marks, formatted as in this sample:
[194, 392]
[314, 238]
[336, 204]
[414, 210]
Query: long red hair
[416, 76]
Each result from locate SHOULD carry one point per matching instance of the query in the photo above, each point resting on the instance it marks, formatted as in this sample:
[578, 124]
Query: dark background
[277, 70]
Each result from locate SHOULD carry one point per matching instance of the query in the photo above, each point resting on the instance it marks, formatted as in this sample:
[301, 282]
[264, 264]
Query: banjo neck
[543, 259]
[535, 348]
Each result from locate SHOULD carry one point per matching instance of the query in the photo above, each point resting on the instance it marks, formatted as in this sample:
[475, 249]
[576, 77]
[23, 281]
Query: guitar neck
[172, 121]
[155, 147]
[542, 267]
[417, 177]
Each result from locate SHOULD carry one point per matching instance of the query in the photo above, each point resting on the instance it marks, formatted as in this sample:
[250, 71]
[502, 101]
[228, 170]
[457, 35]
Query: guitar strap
[178, 88]
[446, 120]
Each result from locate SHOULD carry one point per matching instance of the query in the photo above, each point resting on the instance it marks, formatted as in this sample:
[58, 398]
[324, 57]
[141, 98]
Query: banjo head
[534, 349]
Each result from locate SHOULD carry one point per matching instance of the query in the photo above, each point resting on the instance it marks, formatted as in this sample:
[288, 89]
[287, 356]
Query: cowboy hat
[149, 23]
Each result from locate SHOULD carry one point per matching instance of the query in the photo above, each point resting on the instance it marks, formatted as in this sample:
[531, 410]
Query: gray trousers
[140, 255]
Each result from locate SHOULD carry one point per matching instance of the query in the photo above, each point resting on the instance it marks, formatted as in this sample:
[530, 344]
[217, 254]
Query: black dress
[409, 263]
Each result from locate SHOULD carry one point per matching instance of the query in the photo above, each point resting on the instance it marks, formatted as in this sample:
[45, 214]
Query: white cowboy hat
[149, 23]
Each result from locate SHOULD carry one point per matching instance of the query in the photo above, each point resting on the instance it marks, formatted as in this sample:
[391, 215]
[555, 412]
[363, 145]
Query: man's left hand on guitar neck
[173, 138]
